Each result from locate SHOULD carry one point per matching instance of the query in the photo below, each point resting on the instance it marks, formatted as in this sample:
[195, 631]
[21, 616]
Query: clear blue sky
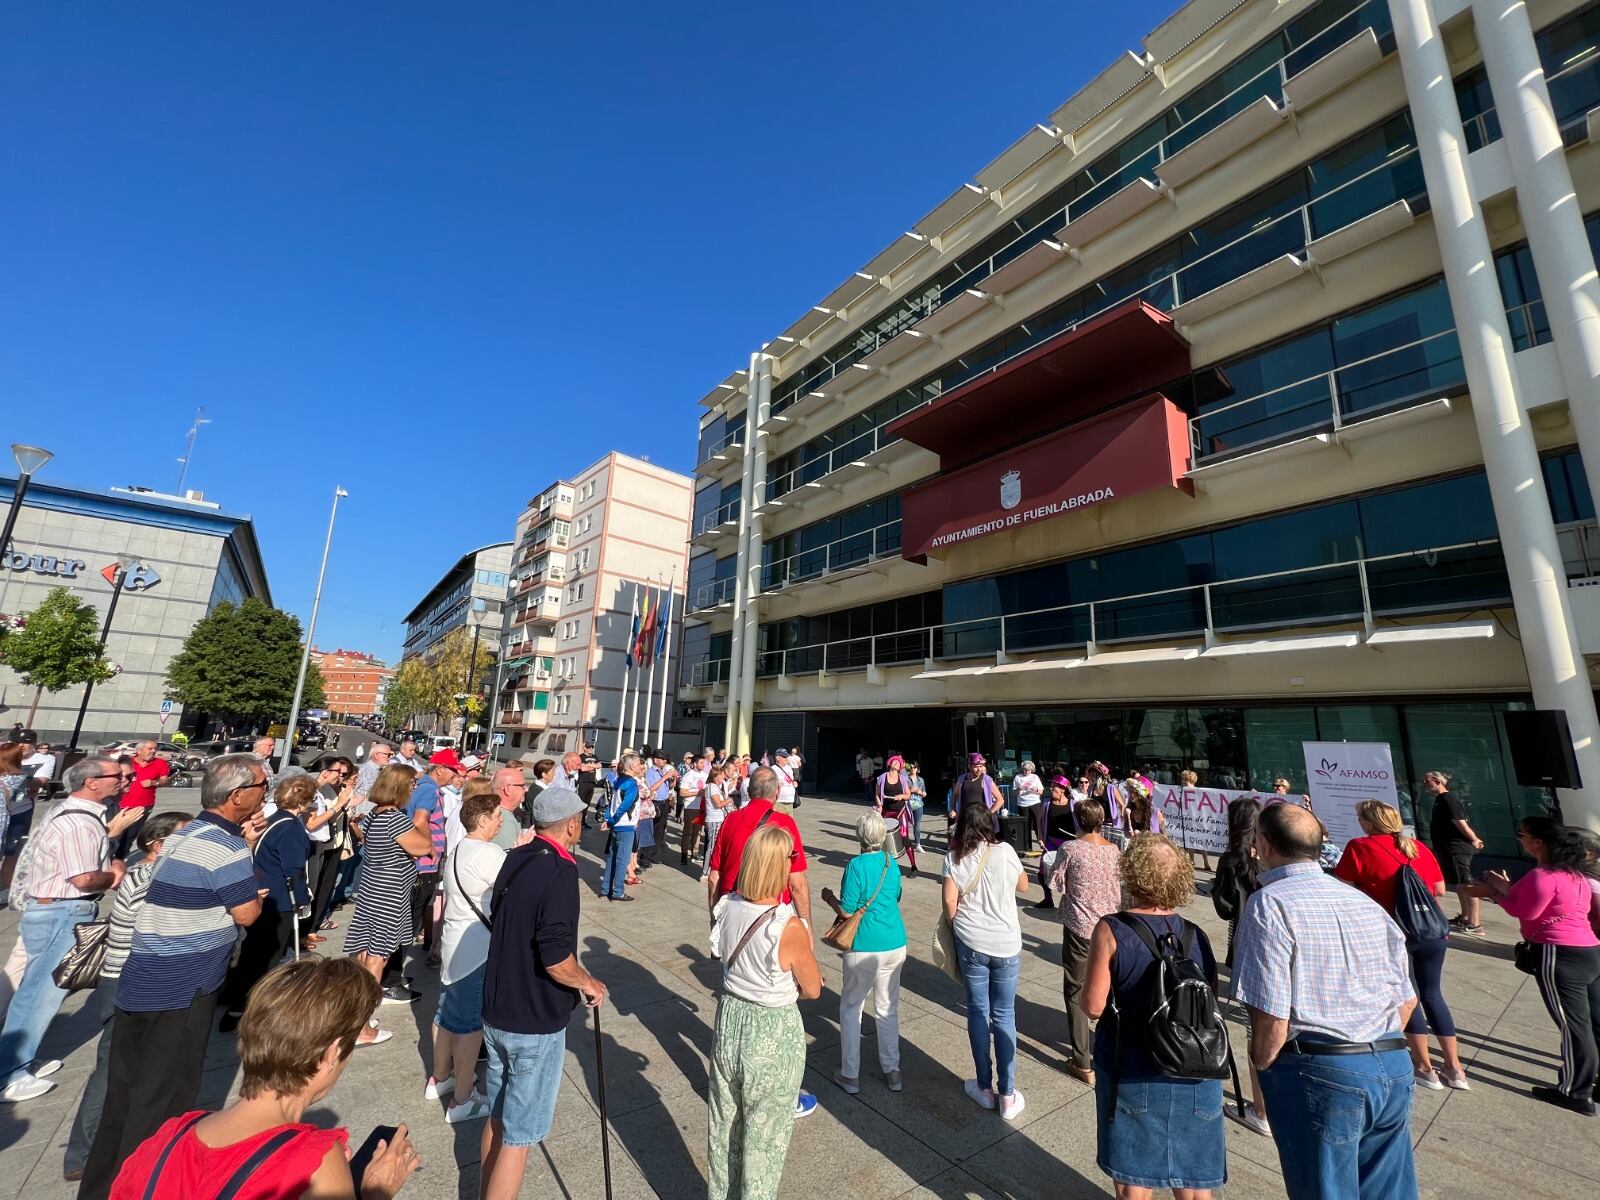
[443, 253]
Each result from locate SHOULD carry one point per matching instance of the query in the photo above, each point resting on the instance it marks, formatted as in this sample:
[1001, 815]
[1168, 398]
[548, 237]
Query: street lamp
[311, 632]
[29, 459]
[124, 563]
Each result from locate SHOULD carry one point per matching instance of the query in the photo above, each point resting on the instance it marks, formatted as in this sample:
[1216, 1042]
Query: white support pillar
[741, 563]
[1556, 671]
[755, 453]
[1550, 212]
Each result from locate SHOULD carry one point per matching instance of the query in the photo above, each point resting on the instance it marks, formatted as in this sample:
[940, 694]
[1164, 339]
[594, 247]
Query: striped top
[130, 899]
[70, 842]
[184, 934]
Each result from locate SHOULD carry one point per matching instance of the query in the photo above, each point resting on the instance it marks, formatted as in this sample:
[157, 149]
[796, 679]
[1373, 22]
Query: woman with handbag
[1557, 911]
[1373, 864]
[758, 1053]
[982, 878]
[873, 937]
[892, 802]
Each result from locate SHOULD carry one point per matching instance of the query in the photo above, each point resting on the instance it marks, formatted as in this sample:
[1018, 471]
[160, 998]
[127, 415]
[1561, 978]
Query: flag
[641, 631]
[647, 636]
[666, 625]
[633, 637]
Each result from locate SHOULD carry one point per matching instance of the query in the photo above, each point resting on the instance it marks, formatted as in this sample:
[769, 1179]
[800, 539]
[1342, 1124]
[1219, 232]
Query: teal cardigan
[881, 927]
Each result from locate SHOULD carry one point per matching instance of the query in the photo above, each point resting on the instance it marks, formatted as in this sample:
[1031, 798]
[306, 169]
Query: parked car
[187, 758]
[209, 750]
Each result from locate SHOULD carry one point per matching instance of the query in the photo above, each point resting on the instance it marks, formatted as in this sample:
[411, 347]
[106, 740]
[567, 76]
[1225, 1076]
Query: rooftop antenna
[200, 419]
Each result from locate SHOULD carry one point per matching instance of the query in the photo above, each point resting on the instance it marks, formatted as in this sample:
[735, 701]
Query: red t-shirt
[737, 829]
[195, 1171]
[1372, 864]
[139, 795]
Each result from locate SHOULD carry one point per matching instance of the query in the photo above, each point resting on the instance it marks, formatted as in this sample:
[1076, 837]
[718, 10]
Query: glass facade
[1569, 52]
[863, 533]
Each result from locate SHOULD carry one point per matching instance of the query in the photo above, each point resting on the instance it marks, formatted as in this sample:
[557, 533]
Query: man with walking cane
[532, 982]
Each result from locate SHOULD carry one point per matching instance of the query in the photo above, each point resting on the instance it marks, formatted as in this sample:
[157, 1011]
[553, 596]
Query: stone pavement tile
[935, 1058]
[562, 1168]
[1516, 1152]
[954, 1184]
[655, 1051]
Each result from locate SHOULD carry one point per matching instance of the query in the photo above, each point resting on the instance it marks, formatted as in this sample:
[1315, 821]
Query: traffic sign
[164, 718]
[499, 739]
[166, 707]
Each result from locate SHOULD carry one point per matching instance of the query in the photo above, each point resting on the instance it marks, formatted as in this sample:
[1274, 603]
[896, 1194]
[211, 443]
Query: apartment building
[1247, 399]
[354, 683]
[471, 594]
[585, 548]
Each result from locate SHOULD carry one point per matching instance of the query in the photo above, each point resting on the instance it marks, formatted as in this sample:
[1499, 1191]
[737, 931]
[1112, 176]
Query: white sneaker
[46, 1068]
[1011, 1106]
[982, 1097]
[1247, 1116]
[439, 1087]
[475, 1109]
[29, 1087]
[1428, 1079]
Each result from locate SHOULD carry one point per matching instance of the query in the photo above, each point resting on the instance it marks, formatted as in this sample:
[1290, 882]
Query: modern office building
[353, 682]
[586, 548]
[1250, 398]
[184, 555]
[470, 595]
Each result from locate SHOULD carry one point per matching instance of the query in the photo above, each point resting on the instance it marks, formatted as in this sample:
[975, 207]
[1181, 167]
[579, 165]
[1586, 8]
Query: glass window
[1519, 290]
[1467, 742]
[1364, 175]
[1293, 380]
[1478, 114]
[1568, 488]
[1400, 350]
[1273, 738]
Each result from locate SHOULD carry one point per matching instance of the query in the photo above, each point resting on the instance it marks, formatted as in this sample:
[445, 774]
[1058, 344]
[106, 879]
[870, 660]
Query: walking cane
[600, 1078]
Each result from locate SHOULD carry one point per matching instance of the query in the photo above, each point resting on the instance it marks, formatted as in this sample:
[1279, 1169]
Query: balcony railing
[724, 514]
[709, 595]
[708, 671]
[547, 613]
[510, 718]
[1458, 578]
[1574, 90]
[829, 461]
[1580, 549]
[733, 437]
[856, 550]
[1426, 369]
[1529, 325]
[1267, 82]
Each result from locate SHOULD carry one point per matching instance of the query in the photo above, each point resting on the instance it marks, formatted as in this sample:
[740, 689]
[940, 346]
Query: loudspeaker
[1541, 748]
[1015, 831]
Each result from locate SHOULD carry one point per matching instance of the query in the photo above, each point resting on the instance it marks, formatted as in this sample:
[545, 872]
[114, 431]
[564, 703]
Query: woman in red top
[1373, 864]
[298, 1031]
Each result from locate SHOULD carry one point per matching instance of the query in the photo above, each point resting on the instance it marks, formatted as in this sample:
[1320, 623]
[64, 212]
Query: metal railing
[723, 514]
[552, 574]
[733, 437]
[1580, 549]
[1529, 325]
[709, 595]
[829, 461]
[1456, 578]
[1574, 89]
[708, 671]
[1268, 82]
[1431, 367]
[855, 550]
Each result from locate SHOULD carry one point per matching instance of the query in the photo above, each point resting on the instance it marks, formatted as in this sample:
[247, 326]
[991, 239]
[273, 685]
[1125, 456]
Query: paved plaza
[927, 1141]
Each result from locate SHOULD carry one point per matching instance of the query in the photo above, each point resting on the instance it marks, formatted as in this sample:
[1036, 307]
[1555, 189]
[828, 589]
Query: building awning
[1129, 351]
[1136, 448]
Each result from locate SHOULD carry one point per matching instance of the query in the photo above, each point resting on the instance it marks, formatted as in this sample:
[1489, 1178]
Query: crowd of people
[1336, 965]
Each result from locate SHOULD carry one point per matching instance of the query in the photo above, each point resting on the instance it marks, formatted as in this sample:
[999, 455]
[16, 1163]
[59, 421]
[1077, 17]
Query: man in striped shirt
[69, 869]
[204, 887]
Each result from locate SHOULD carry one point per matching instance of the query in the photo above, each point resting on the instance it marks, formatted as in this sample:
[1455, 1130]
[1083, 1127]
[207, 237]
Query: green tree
[430, 683]
[240, 662]
[58, 648]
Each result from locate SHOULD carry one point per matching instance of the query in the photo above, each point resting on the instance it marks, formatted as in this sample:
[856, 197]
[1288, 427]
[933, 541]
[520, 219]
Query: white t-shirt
[987, 919]
[454, 830]
[785, 775]
[1028, 789]
[690, 783]
[712, 793]
[464, 944]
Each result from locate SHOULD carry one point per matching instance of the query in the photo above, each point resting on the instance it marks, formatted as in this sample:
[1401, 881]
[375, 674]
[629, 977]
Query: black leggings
[1431, 1012]
[265, 941]
[1569, 981]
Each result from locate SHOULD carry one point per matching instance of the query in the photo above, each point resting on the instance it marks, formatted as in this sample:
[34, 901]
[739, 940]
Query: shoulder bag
[79, 968]
[842, 934]
[727, 963]
[944, 933]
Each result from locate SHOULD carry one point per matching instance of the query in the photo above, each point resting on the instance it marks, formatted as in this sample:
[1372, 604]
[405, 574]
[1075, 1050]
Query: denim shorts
[461, 1004]
[524, 1077]
[1168, 1133]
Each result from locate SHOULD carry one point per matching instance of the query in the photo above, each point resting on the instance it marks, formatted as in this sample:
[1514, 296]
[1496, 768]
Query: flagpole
[666, 664]
[651, 650]
[627, 672]
[633, 713]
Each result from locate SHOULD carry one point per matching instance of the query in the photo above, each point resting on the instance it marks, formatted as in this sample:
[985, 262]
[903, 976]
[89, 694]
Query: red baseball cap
[446, 758]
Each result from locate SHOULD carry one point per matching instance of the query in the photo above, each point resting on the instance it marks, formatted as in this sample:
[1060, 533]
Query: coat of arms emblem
[1010, 490]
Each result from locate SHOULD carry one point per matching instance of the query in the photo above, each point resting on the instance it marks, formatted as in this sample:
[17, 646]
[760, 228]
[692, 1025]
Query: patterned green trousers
[757, 1062]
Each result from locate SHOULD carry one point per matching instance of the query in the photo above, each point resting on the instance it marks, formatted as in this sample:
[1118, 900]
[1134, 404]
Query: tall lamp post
[29, 459]
[311, 631]
[124, 561]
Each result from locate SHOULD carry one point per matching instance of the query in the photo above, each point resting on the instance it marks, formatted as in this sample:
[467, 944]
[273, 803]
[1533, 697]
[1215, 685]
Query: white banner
[1341, 775]
[1197, 818]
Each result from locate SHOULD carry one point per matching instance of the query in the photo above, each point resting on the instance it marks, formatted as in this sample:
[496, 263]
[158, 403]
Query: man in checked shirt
[1325, 974]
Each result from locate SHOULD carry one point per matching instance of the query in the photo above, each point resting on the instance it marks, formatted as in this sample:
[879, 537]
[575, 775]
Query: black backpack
[1182, 1029]
[1415, 910]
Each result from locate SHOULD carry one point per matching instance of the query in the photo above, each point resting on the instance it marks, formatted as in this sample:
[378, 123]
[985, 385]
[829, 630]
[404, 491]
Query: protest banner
[1340, 776]
[1196, 817]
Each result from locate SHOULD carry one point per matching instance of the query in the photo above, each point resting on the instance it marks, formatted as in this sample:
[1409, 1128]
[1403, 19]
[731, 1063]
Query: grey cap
[554, 805]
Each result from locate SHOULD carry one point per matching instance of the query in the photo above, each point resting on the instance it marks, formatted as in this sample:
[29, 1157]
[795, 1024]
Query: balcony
[708, 672]
[731, 446]
[541, 645]
[545, 610]
[547, 573]
[716, 594]
[1445, 580]
[857, 552]
[857, 450]
[717, 525]
[556, 502]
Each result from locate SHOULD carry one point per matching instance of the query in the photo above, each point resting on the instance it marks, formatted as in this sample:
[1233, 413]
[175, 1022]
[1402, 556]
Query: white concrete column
[741, 560]
[1550, 211]
[755, 453]
[1556, 672]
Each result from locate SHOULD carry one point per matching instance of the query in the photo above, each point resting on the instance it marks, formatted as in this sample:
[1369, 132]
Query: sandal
[314, 939]
[330, 923]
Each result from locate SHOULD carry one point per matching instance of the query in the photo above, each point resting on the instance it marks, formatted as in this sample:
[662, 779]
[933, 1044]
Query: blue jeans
[991, 1012]
[522, 1081]
[46, 932]
[1343, 1125]
[618, 851]
[916, 824]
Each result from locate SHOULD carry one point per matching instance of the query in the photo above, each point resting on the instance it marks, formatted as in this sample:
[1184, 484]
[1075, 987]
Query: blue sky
[441, 254]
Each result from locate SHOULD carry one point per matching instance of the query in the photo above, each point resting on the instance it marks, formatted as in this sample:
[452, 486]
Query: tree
[58, 647]
[430, 683]
[240, 662]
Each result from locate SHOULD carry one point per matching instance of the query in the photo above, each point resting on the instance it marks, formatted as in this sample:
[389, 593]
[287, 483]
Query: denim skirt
[1168, 1133]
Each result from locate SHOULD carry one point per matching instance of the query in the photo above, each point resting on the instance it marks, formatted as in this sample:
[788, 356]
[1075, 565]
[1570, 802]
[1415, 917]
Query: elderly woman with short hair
[873, 963]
